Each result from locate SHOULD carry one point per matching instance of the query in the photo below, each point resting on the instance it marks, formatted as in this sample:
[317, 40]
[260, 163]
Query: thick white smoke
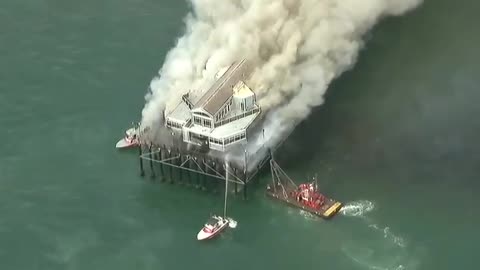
[297, 46]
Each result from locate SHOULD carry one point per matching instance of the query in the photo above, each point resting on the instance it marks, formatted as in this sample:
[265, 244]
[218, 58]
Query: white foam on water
[387, 234]
[378, 267]
[232, 223]
[369, 258]
[307, 215]
[383, 250]
[357, 208]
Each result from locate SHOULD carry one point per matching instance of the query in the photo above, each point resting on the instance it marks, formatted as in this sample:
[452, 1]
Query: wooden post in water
[200, 174]
[170, 153]
[189, 173]
[152, 171]
[205, 169]
[219, 169]
[235, 185]
[142, 172]
[180, 173]
[159, 157]
[245, 172]
[214, 168]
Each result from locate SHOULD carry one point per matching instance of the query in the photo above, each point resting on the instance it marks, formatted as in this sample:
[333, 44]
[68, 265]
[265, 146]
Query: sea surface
[396, 140]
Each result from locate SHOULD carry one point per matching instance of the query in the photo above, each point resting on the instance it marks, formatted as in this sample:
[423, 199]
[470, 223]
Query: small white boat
[214, 226]
[129, 140]
[217, 224]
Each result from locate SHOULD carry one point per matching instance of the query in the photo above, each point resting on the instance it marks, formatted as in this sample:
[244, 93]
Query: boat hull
[123, 143]
[202, 235]
[326, 211]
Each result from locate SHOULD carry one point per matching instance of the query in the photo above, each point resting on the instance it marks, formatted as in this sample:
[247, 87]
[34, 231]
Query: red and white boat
[214, 226]
[217, 224]
[130, 139]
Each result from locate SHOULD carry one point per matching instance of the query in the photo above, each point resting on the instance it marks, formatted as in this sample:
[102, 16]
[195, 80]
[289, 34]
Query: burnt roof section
[222, 89]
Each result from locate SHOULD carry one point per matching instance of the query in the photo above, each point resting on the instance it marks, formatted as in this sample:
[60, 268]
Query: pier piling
[204, 177]
[189, 173]
[235, 185]
[199, 175]
[170, 154]
[142, 172]
[180, 174]
[245, 188]
[197, 169]
[245, 181]
[159, 157]
[152, 171]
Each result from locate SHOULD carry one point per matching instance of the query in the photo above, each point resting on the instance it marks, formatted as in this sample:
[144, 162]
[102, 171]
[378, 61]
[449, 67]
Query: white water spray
[357, 208]
[232, 223]
[297, 46]
[384, 249]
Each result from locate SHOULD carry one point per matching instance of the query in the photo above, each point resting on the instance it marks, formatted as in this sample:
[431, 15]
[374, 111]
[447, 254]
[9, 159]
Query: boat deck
[327, 210]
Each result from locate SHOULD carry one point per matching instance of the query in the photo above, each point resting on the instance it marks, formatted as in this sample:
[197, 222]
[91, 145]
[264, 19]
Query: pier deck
[179, 165]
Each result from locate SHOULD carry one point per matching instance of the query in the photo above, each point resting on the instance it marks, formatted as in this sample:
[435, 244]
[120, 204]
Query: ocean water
[395, 140]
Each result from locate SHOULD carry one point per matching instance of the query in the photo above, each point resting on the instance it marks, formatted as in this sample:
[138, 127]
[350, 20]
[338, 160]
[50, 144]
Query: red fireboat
[305, 196]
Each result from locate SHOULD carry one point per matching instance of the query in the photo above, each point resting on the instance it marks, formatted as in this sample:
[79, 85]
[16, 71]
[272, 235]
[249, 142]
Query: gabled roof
[222, 89]
[201, 111]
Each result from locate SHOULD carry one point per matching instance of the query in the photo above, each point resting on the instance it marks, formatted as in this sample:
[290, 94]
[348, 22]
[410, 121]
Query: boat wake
[383, 250]
[308, 216]
[357, 208]
[377, 247]
[232, 223]
[388, 234]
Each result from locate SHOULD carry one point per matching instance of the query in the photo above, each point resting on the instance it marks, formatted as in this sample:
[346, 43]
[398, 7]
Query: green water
[397, 136]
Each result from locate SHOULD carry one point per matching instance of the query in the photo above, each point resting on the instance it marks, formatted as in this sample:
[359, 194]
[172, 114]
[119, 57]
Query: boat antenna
[226, 191]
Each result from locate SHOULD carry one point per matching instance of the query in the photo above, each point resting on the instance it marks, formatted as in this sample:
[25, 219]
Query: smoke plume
[297, 46]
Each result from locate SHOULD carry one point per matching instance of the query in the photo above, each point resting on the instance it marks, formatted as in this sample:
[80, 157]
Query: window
[207, 123]
[197, 120]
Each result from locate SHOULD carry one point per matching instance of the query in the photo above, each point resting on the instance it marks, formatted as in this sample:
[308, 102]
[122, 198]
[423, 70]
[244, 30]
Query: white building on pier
[221, 116]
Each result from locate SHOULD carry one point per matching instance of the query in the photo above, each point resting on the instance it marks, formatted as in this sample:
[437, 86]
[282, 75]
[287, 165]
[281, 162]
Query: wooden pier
[195, 168]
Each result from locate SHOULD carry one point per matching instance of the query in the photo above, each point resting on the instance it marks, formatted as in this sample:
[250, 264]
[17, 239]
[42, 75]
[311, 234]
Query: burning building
[221, 117]
[209, 129]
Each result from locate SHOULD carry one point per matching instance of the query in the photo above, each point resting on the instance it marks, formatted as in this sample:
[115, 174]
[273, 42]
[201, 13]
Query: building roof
[222, 89]
[180, 114]
[241, 90]
[233, 127]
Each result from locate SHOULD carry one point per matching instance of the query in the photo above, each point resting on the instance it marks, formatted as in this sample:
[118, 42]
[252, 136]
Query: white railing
[236, 117]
